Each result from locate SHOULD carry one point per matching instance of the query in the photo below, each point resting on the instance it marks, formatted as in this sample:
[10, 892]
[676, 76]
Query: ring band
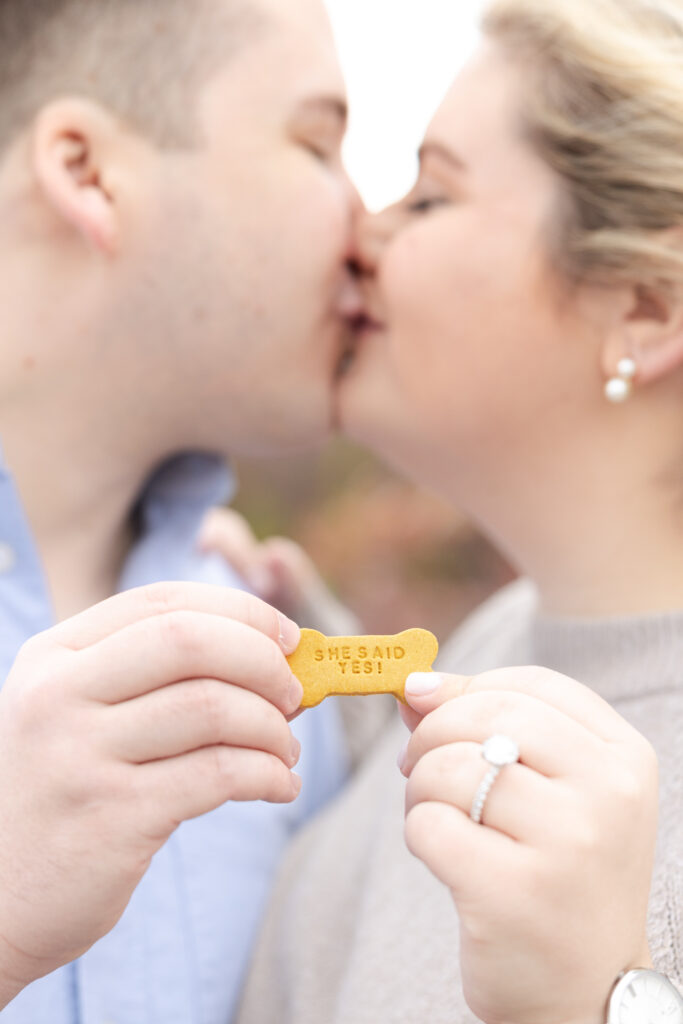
[499, 751]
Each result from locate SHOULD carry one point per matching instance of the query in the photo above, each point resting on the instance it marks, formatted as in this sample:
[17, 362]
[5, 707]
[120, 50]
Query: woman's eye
[426, 204]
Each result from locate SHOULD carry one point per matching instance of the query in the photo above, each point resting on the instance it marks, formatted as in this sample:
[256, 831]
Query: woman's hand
[115, 726]
[552, 888]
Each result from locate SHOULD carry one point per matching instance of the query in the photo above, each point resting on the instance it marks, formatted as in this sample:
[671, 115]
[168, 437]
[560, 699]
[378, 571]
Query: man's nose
[371, 233]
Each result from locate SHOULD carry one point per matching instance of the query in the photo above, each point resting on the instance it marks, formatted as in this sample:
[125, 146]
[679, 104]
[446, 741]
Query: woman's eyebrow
[438, 149]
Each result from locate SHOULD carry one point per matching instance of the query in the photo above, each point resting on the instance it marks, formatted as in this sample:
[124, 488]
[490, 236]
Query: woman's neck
[592, 521]
[606, 565]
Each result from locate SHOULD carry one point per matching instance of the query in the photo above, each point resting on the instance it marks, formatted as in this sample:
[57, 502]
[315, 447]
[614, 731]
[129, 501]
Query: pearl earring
[619, 388]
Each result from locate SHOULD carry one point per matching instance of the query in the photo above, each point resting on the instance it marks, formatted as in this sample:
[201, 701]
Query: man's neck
[78, 509]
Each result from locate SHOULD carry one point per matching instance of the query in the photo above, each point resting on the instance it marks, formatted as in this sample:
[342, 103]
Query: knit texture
[360, 932]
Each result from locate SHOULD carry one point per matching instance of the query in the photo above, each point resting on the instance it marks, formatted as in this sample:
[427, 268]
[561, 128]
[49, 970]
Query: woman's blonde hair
[605, 111]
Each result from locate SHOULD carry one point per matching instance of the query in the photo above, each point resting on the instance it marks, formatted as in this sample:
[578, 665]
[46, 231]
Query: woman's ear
[71, 141]
[649, 331]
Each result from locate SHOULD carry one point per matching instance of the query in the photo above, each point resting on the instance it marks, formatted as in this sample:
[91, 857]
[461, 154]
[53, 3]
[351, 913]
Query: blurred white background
[399, 57]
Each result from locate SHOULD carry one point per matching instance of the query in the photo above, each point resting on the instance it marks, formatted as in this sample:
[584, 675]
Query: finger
[301, 591]
[290, 560]
[468, 858]
[196, 714]
[289, 572]
[187, 786]
[549, 741]
[107, 618]
[411, 718]
[230, 535]
[170, 648]
[521, 803]
[426, 691]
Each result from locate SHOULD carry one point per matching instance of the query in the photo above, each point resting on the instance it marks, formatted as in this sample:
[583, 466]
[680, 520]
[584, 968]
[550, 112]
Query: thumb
[426, 691]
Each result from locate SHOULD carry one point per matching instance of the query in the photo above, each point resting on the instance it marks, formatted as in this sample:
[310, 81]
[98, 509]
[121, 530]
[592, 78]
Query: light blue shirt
[180, 951]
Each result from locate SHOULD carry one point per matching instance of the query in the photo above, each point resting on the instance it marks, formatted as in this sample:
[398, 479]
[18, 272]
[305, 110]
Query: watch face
[645, 997]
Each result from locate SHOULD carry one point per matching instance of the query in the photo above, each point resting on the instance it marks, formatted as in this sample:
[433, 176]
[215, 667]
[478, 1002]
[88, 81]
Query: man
[174, 222]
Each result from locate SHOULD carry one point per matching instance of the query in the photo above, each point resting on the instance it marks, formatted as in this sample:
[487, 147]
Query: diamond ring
[499, 751]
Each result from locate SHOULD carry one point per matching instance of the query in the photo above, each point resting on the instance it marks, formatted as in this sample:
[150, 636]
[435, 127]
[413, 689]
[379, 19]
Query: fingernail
[290, 634]
[296, 783]
[295, 694]
[401, 759]
[419, 684]
[296, 751]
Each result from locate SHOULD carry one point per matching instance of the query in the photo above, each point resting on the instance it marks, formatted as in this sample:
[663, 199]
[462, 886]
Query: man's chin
[344, 386]
[351, 398]
[290, 440]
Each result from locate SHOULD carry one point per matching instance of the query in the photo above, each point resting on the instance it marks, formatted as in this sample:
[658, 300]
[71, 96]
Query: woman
[523, 355]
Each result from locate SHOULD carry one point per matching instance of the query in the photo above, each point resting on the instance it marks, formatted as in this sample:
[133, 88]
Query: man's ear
[649, 331]
[71, 141]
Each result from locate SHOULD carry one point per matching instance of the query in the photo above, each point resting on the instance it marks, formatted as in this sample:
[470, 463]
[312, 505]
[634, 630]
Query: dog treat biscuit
[329, 666]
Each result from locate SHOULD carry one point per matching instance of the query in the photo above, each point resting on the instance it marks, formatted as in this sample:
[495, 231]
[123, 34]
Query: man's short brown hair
[143, 59]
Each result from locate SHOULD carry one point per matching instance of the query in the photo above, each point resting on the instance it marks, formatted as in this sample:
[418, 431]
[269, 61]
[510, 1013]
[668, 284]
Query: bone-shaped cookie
[330, 666]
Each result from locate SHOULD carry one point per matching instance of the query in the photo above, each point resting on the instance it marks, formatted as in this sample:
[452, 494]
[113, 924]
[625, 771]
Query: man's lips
[358, 328]
[364, 322]
[358, 323]
[355, 308]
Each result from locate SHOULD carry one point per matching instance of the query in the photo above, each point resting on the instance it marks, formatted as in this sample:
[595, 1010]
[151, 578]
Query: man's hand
[552, 889]
[153, 707]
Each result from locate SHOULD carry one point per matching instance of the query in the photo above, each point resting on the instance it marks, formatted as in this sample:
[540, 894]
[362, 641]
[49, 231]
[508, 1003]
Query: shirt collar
[168, 513]
[185, 486]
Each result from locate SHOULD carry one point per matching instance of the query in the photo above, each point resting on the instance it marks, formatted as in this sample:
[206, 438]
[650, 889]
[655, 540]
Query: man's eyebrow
[438, 149]
[327, 105]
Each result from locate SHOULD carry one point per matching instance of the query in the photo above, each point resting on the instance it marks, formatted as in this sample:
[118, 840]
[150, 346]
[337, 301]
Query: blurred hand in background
[280, 572]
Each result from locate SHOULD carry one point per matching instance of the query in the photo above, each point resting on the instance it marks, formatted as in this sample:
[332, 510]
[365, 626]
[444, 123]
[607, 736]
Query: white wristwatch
[644, 997]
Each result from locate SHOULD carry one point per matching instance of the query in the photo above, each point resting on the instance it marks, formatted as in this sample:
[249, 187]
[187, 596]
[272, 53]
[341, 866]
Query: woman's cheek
[407, 285]
[421, 306]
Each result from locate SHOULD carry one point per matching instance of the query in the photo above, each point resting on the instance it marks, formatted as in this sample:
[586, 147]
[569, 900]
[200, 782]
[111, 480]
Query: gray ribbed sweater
[360, 932]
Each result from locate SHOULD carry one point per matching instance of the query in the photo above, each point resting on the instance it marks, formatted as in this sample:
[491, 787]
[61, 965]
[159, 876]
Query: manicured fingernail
[296, 783]
[401, 759]
[419, 684]
[295, 694]
[296, 750]
[290, 634]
